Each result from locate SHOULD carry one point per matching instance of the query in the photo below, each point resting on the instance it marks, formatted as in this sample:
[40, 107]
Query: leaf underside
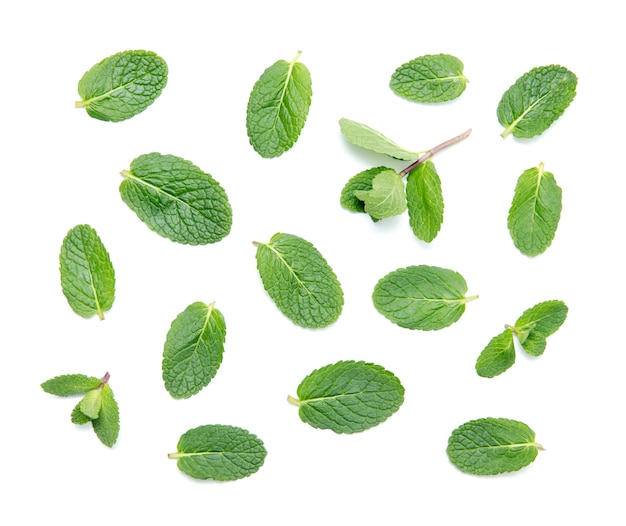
[365, 137]
[425, 201]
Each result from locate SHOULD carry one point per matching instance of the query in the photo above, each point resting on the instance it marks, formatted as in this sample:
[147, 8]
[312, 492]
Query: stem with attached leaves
[430, 153]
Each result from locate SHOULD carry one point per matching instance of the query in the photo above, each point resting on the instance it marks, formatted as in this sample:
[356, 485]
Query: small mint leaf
[387, 197]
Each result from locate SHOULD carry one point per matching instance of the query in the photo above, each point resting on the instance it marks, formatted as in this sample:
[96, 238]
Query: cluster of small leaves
[531, 330]
[96, 406]
[490, 446]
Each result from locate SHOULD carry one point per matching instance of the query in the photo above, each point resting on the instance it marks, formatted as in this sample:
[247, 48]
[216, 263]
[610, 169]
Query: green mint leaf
[219, 452]
[87, 275]
[363, 181]
[299, 280]
[176, 199]
[123, 85]
[278, 107]
[70, 384]
[421, 297]
[489, 446]
[536, 100]
[91, 403]
[369, 139]
[424, 201]
[348, 396]
[498, 356]
[430, 78]
[537, 323]
[78, 417]
[387, 197]
[535, 211]
[107, 425]
[193, 349]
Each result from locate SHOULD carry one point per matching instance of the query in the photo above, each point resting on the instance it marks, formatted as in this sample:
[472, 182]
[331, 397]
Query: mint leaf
[219, 452]
[107, 425]
[429, 78]
[91, 403]
[535, 211]
[176, 199]
[421, 297]
[193, 349]
[489, 446]
[368, 138]
[78, 417]
[123, 85]
[498, 356]
[299, 280]
[348, 396]
[278, 107]
[537, 323]
[387, 197]
[425, 201]
[87, 275]
[363, 181]
[536, 100]
[70, 384]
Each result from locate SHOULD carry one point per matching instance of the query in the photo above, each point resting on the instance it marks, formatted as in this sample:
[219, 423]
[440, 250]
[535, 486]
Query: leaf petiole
[430, 153]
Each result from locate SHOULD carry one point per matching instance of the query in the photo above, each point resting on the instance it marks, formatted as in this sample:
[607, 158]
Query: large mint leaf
[535, 211]
[430, 78]
[498, 356]
[372, 140]
[299, 280]
[421, 297]
[425, 201]
[537, 323]
[193, 349]
[123, 85]
[176, 199]
[536, 100]
[387, 197]
[489, 446]
[219, 452]
[278, 107]
[70, 384]
[348, 396]
[107, 425]
[87, 275]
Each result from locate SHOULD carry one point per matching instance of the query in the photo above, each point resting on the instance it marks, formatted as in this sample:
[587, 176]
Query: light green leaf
[278, 107]
[70, 384]
[387, 197]
[193, 349]
[348, 396]
[87, 275]
[123, 85]
[489, 446]
[498, 356]
[374, 141]
[536, 100]
[107, 425]
[422, 297]
[537, 323]
[91, 403]
[425, 201]
[299, 280]
[535, 211]
[363, 181]
[78, 417]
[176, 199]
[429, 78]
[219, 452]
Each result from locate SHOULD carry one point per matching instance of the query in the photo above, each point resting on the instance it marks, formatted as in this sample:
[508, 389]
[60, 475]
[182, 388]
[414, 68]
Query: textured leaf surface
[107, 425]
[363, 181]
[219, 452]
[536, 100]
[421, 297]
[299, 280]
[70, 384]
[430, 78]
[87, 275]
[176, 199]
[425, 201]
[123, 85]
[91, 403]
[387, 197]
[348, 396]
[278, 107]
[193, 349]
[489, 446]
[537, 323]
[535, 211]
[78, 417]
[498, 356]
[372, 140]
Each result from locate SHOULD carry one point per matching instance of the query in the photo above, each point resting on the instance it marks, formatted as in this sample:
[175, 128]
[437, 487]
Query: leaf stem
[430, 153]
[105, 379]
[293, 400]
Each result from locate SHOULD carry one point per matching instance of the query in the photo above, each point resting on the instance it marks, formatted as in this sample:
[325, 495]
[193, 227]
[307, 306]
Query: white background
[61, 168]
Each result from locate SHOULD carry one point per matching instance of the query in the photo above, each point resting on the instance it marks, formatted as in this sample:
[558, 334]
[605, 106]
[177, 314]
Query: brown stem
[433, 151]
